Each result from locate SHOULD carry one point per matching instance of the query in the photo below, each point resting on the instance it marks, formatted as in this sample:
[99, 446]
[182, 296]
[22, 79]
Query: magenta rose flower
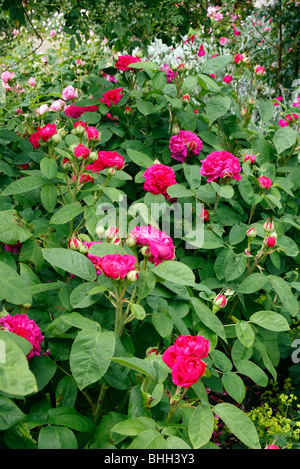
[160, 245]
[77, 111]
[184, 359]
[21, 325]
[34, 139]
[219, 165]
[112, 97]
[124, 61]
[92, 133]
[106, 159]
[187, 371]
[47, 132]
[81, 151]
[184, 145]
[117, 266]
[265, 182]
[158, 178]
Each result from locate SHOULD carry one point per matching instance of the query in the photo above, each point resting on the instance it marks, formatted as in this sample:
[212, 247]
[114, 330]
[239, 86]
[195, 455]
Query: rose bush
[122, 323]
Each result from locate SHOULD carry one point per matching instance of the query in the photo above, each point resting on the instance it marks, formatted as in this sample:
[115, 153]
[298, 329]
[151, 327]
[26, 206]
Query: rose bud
[93, 156]
[83, 249]
[269, 227]
[75, 244]
[204, 214]
[270, 241]
[132, 276]
[92, 133]
[100, 231]
[111, 171]
[145, 251]
[219, 302]
[130, 241]
[251, 233]
[185, 98]
[81, 152]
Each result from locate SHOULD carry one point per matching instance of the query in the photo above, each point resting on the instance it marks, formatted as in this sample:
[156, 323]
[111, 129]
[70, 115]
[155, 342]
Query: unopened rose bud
[100, 231]
[145, 251]
[83, 249]
[219, 302]
[269, 227]
[132, 276]
[79, 130]
[75, 244]
[192, 145]
[139, 54]
[175, 129]
[56, 139]
[251, 233]
[204, 214]
[27, 305]
[270, 241]
[185, 98]
[111, 171]
[130, 241]
[93, 156]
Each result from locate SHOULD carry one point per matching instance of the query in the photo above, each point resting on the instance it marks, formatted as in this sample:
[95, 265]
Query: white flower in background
[264, 3]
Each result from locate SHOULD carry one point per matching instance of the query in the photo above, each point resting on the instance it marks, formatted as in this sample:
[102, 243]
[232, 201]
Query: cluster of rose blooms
[184, 358]
[155, 246]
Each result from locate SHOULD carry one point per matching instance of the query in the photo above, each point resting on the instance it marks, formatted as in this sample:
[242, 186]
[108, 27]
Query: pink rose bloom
[259, 70]
[58, 105]
[238, 58]
[52, 33]
[223, 41]
[184, 145]
[7, 76]
[265, 182]
[15, 32]
[221, 164]
[81, 152]
[35, 138]
[31, 81]
[236, 32]
[44, 60]
[21, 325]
[92, 133]
[250, 158]
[42, 109]
[124, 61]
[184, 359]
[112, 97]
[158, 178]
[117, 266]
[69, 93]
[106, 159]
[19, 111]
[227, 79]
[77, 111]
[204, 214]
[47, 132]
[160, 245]
[272, 447]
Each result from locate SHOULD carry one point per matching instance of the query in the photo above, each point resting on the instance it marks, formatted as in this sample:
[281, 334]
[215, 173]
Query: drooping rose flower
[184, 145]
[158, 178]
[159, 244]
[106, 159]
[21, 325]
[265, 182]
[219, 165]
